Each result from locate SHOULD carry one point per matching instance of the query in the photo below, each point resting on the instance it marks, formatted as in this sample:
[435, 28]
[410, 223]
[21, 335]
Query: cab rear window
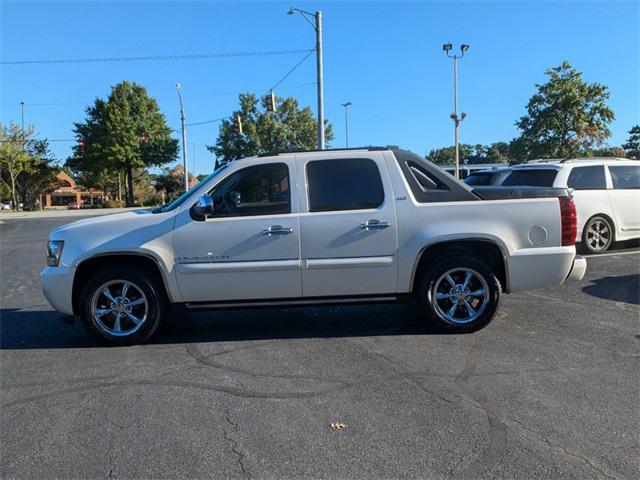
[539, 177]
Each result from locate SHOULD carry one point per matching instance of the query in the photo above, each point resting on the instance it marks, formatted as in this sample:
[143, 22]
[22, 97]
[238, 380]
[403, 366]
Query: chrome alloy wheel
[460, 295]
[119, 307]
[598, 235]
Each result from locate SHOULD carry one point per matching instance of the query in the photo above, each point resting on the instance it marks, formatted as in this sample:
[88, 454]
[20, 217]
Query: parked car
[367, 225]
[74, 206]
[490, 176]
[5, 206]
[606, 192]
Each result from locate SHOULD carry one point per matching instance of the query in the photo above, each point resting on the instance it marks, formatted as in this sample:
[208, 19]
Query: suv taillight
[568, 220]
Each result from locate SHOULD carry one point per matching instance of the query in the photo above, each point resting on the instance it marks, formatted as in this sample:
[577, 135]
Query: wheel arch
[486, 250]
[89, 265]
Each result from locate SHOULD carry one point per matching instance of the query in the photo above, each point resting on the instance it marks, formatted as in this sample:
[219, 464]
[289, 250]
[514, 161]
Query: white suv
[606, 192]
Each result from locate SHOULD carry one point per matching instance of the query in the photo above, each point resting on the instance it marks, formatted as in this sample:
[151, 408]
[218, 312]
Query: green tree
[125, 133]
[632, 146]
[14, 159]
[447, 155]
[565, 118]
[40, 178]
[170, 182]
[288, 128]
[608, 151]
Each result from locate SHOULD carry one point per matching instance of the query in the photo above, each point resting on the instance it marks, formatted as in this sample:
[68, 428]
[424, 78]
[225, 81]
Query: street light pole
[317, 26]
[22, 115]
[183, 119]
[346, 123]
[454, 116]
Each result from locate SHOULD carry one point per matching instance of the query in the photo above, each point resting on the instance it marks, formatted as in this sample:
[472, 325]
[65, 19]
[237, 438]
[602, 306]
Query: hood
[113, 219]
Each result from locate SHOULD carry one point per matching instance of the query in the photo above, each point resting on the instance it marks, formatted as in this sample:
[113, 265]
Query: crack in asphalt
[234, 444]
[497, 429]
[590, 463]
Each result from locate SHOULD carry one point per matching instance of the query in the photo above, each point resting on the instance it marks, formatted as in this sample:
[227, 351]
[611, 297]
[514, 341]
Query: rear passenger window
[587, 178]
[535, 177]
[625, 176]
[349, 184]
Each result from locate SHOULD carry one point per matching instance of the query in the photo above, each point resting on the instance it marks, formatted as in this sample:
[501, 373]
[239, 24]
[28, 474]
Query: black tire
[482, 277]
[142, 285]
[597, 235]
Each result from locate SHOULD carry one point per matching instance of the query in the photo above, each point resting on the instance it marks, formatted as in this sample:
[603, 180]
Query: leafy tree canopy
[288, 128]
[497, 152]
[123, 133]
[632, 146]
[26, 165]
[565, 118]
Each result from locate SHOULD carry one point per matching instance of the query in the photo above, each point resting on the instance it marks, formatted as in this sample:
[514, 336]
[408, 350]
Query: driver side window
[255, 190]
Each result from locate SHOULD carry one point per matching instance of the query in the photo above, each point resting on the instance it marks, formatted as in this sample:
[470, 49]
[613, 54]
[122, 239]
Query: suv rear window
[344, 184]
[479, 179]
[587, 178]
[538, 177]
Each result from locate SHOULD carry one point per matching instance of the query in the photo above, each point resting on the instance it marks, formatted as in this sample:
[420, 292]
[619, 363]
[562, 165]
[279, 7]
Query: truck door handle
[374, 225]
[277, 230]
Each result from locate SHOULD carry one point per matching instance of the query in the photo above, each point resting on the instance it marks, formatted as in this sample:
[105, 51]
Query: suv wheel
[597, 236]
[460, 293]
[122, 306]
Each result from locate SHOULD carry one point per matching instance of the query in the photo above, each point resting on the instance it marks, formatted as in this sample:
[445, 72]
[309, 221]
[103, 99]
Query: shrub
[114, 204]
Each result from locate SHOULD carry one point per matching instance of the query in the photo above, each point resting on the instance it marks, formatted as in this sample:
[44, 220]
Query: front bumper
[57, 287]
[578, 269]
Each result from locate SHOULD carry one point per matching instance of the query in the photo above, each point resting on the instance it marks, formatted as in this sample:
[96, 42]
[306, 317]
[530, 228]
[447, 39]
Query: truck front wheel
[460, 293]
[122, 305]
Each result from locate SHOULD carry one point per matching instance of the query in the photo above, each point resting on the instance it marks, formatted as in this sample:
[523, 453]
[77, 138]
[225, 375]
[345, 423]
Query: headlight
[54, 251]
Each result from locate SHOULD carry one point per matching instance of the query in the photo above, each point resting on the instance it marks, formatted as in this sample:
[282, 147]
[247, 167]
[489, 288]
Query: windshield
[539, 177]
[182, 198]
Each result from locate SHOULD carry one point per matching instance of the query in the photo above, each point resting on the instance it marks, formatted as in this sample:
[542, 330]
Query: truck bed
[510, 193]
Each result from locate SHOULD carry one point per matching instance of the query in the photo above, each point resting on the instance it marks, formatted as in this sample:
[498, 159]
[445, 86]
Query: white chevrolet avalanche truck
[343, 226]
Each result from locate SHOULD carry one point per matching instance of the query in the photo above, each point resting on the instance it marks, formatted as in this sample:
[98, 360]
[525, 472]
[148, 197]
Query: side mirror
[203, 208]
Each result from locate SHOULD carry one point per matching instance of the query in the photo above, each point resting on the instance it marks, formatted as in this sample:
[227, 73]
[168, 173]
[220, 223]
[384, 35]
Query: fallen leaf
[338, 425]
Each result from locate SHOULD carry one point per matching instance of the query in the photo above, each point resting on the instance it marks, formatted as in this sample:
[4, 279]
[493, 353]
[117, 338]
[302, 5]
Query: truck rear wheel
[460, 293]
[122, 305]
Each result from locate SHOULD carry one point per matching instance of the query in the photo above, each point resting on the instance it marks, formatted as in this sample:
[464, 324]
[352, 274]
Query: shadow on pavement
[42, 330]
[618, 289]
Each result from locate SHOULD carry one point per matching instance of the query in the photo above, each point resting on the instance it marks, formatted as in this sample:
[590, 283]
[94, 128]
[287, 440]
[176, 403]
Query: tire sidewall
[155, 301]
[431, 276]
[585, 243]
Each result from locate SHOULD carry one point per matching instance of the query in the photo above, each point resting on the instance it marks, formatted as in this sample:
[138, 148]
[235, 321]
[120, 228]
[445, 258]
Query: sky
[385, 58]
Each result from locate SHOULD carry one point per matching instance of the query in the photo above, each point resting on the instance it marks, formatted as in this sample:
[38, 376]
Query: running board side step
[297, 302]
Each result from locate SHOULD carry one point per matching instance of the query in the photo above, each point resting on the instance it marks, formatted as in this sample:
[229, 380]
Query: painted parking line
[612, 254]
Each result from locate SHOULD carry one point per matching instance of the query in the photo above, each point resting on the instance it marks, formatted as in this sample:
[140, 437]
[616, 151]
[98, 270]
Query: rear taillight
[568, 220]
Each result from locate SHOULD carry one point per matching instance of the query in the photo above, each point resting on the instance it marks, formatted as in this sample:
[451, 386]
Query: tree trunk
[129, 179]
[14, 199]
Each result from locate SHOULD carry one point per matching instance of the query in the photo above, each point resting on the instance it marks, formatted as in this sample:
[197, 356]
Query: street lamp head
[463, 116]
[348, 104]
[446, 47]
[177, 86]
[290, 12]
[454, 116]
[464, 47]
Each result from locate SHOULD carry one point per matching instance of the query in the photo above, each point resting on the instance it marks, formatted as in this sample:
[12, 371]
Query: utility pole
[183, 119]
[22, 115]
[454, 116]
[346, 123]
[317, 26]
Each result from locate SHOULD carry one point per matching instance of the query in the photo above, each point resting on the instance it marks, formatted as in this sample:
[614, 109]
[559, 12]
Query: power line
[293, 69]
[204, 95]
[205, 122]
[155, 58]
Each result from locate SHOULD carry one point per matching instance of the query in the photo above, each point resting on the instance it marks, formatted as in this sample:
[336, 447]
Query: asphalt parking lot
[549, 389]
